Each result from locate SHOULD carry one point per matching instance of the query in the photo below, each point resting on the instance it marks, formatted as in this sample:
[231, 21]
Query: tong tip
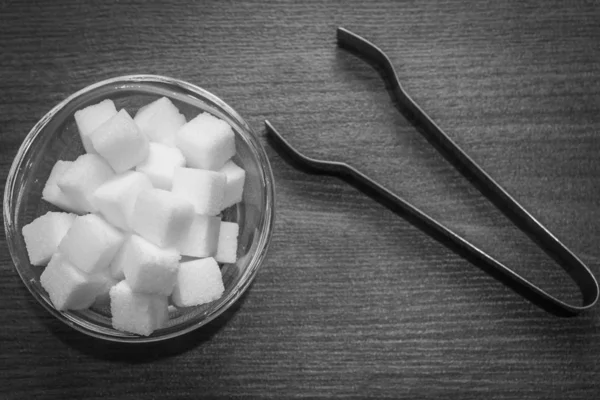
[343, 35]
[271, 131]
[273, 134]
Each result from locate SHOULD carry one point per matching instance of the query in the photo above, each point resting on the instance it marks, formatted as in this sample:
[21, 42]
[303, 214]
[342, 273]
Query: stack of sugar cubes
[148, 191]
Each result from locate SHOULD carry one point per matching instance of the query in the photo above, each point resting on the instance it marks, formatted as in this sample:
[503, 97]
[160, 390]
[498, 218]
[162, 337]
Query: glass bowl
[55, 137]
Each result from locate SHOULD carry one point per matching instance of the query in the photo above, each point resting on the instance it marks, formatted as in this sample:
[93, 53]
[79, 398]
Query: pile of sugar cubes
[148, 191]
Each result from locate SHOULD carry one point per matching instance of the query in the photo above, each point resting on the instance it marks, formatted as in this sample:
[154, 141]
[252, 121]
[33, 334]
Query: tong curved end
[296, 156]
[283, 144]
[349, 40]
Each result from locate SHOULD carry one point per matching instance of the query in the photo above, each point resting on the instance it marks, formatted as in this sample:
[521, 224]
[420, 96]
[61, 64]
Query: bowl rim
[265, 233]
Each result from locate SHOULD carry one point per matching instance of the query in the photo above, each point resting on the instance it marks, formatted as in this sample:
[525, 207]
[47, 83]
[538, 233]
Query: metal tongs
[578, 271]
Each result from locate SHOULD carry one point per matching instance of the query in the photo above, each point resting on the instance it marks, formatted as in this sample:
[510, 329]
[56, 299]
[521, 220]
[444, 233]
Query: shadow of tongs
[578, 271]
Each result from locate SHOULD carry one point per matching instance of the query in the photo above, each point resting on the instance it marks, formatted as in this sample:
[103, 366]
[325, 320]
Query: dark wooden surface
[352, 300]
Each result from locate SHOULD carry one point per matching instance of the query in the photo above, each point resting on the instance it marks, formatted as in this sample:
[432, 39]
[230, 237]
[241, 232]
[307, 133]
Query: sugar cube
[228, 241]
[207, 142]
[160, 164]
[103, 296]
[43, 235]
[202, 237]
[198, 282]
[116, 197]
[172, 310]
[54, 195]
[91, 243]
[120, 142]
[235, 184]
[149, 268]
[203, 188]
[117, 264]
[68, 287]
[80, 181]
[159, 121]
[90, 118]
[143, 115]
[138, 313]
[161, 217]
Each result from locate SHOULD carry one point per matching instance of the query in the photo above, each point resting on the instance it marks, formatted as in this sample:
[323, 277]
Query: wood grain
[352, 301]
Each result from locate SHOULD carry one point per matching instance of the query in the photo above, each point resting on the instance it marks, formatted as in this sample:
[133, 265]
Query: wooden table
[352, 300]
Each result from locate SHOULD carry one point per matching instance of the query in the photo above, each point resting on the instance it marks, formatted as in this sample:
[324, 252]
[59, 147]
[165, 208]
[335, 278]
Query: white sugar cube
[91, 243]
[172, 309]
[117, 264]
[44, 234]
[207, 142]
[161, 217]
[149, 268]
[160, 164]
[228, 242]
[159, 121]
[235, 184]
[203, 188]
[120, 142]
[68, 287]
[137, 312]
[143, 115]
[116, 197]
[54, 195]
[202, 237]
[103, 296]
[90, 118]
[198, 282]
[84, 176]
